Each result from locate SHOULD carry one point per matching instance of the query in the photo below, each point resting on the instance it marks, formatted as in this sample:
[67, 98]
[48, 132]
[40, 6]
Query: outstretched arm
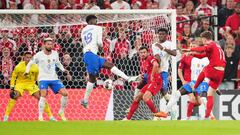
[199, 55]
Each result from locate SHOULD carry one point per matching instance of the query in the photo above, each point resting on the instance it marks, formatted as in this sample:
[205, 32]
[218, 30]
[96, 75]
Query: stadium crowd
[119, 45]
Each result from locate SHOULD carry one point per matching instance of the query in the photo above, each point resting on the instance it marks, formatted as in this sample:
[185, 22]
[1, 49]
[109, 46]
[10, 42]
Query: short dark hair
[26, 53]
[143, 47]
[207, 34]
[162, 30]
[90, 17]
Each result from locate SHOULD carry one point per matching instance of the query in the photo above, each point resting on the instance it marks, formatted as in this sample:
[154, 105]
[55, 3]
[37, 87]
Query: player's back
[197, 66]
[47, 65]
[30, 78]
[91, 38]
[215, 55]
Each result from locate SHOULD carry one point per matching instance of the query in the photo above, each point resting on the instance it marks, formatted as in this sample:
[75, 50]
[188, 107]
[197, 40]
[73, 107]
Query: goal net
[124, 31]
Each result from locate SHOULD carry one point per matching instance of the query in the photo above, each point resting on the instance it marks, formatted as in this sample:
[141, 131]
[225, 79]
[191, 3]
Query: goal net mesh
[123, 34]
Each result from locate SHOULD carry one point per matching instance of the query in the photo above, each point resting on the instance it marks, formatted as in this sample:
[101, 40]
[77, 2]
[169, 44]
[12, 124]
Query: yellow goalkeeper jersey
[18, 76]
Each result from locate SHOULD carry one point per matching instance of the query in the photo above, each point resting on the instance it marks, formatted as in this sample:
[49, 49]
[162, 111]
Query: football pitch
[121, 128]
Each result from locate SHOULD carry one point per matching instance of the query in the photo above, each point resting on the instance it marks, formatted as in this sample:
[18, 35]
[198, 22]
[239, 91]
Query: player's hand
[184, 82]
[25, 73]
[159, 46]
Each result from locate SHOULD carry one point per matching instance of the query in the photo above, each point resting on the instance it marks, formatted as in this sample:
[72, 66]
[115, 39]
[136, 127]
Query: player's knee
[14, 95]
[137, 98]
[43, 93]
[146, 97]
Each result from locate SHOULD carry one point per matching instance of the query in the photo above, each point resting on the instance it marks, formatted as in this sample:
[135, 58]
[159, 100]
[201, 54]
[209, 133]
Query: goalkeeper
[21, 83]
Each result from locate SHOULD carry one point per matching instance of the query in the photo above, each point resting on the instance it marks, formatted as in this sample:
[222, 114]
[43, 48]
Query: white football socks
[89, 89]
[63, 104]
[173, 100]
[118, 72]
[41, 106]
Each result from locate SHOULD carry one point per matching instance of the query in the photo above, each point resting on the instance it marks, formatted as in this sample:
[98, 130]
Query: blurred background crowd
[120, 40]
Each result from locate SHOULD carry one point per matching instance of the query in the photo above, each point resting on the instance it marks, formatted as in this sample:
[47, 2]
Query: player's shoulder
[150, 58]
[20, 64]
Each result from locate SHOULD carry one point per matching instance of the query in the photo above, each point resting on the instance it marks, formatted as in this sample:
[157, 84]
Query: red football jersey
[214, 53]
[185, 65]
[147, 64]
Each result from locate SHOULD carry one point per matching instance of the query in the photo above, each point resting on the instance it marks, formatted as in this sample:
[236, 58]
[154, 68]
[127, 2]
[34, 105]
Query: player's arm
[169, 51]
[199, 55]
[99, 37]
[180, 70]
[60, 66]
[200, 49]
[14, 77]
[156, 53]
[155, 68]
[34, 60]
[157, 56]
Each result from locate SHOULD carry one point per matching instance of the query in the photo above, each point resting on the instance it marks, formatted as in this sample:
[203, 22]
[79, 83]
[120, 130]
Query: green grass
[121, 128]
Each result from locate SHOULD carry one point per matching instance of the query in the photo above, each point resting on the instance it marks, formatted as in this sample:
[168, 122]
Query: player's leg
[47, 107]
[191, 104]
[215, 77]
[43, 86]
[118, 72]
[134, 105]
[89, 88]
[141, 84]
[58, 88]
[147, 98]
[164, 90]
[200, 79]
[14, 95]
[174, 98]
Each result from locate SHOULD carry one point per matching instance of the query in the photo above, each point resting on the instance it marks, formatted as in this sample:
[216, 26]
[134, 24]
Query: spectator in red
[3, 4]
[152, 4]
[12, 4]
[180, 17]
[189, 10]
[34, 4]
[107, 4]
[136, 4]
[63, 4]
[204, 8]
[225, 12]
[120, 45]
[6, 42]
[172, 4]
[106, 43]
[6, 67]
[120, 4]
[91, 5]
[233, 21]
[53, 4]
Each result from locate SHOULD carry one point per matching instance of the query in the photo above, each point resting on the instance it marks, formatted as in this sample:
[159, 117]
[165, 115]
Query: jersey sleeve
[59, 64]
[14, 76]
[200, 55]
[155, 50]
[182, 63]
[34, 60]
[99, 36]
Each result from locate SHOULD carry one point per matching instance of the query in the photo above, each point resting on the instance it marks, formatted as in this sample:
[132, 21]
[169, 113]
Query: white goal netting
[124, 32]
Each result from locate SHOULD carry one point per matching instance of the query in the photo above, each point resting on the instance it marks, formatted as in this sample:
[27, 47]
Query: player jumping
[153, 86]
[47, 60]
[92, 39]
[162, 51]
[20, 83]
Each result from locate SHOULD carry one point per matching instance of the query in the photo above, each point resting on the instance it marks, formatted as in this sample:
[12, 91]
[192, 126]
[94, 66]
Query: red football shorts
[215, 76]
[155, 86]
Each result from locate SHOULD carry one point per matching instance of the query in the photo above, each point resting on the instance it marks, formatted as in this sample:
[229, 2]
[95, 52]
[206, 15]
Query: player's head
[237, 8]
[91, 19]
[48, 44]
[27, 56]
[206, 36]
[196, 42]
[162, 34]
[143, 52]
